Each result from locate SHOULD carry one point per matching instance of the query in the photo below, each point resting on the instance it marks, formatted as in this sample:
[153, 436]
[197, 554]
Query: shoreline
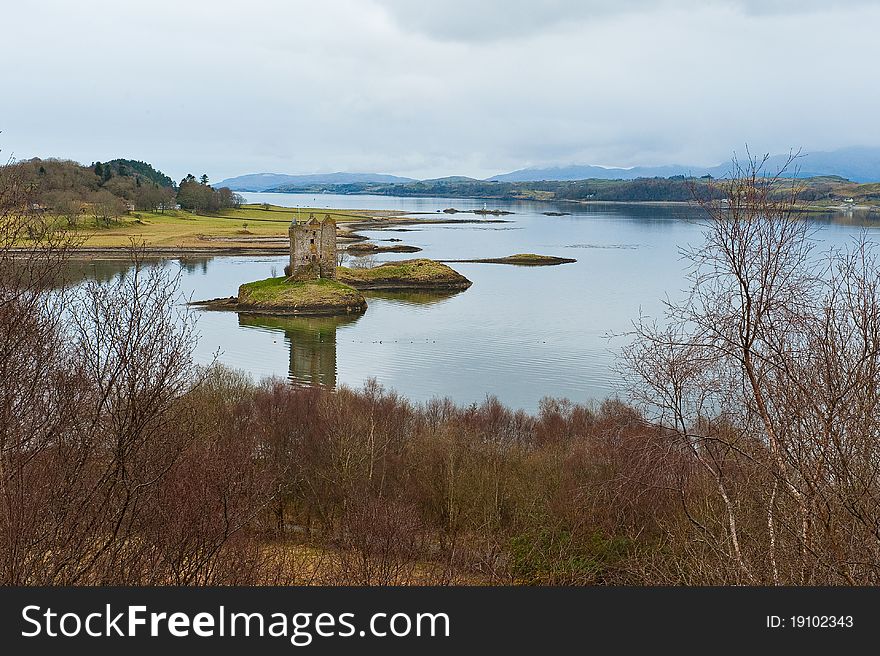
[836, 209]
[121, 252]
[347, 234]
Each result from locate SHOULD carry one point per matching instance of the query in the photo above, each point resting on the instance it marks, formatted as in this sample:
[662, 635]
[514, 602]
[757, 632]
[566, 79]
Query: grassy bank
[245, 227]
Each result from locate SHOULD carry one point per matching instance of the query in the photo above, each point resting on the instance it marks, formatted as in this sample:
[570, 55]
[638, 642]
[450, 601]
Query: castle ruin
[313, 249]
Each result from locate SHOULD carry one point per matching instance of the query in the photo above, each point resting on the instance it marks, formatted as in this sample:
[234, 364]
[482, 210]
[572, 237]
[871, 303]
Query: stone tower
[313, 249]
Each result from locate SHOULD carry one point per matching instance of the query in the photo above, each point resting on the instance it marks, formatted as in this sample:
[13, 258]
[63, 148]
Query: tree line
[198, 195]
[105, 191]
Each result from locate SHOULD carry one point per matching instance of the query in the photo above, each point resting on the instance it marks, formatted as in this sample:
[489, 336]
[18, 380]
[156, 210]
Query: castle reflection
[312, 340]
[312, 343]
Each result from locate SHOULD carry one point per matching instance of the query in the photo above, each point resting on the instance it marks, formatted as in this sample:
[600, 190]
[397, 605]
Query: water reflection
[107, 269]
[413, 298]
[311, 341]
[102, 271]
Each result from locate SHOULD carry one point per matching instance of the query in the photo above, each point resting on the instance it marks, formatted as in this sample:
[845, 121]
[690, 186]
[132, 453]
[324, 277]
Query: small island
[492, 212]
[283, 296]
[361, 248]
[482, 212]
[522, 259]
[415, 275]
[307, 297]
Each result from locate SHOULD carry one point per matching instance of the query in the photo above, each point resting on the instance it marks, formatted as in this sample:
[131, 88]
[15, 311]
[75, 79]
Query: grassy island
[420, 274]
[311, 297]
[523, 259]
[284, 297]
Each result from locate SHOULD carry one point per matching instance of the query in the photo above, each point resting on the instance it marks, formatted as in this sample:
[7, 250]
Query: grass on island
[306, 297]
[405, 274]
[225, 229]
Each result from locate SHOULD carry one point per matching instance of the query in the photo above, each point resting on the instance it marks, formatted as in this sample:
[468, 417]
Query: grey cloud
[486, 21]
[491, 20]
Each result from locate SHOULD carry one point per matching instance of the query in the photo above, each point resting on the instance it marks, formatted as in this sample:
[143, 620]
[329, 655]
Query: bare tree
[36, 396]
[106, 208]
[767, 373]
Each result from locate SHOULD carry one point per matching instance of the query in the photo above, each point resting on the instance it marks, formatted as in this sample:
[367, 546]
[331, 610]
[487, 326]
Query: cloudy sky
[423, 89]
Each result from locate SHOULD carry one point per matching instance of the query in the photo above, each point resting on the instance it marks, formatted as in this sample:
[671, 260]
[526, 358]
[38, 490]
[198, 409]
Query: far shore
[251, 231]
[261, 229]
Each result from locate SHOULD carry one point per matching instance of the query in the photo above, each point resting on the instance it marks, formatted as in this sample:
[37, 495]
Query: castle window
[313, 241]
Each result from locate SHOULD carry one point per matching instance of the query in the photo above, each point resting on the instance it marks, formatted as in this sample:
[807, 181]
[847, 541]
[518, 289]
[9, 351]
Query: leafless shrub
[381, 543]
[363, 262]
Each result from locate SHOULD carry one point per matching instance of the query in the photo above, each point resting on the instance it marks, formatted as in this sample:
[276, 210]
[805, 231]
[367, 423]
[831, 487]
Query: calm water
[519, 333]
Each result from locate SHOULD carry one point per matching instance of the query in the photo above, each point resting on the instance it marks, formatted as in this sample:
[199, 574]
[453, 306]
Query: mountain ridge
[856, 163]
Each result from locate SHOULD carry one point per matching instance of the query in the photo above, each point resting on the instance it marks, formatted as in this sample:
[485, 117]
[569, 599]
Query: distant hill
[859, 164]
[266, 181]
[822, 191]
[450, 179]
